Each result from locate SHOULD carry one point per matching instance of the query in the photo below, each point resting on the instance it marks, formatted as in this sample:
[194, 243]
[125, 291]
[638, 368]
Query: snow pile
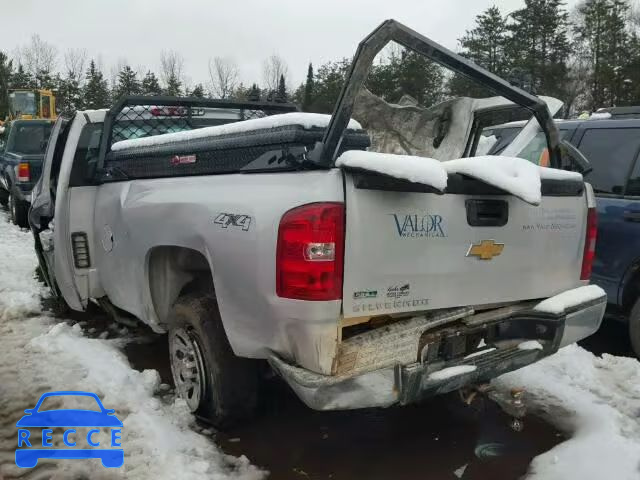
[595, 400]
[558, 304]
[479, 353]
[600, 116]
[415, 169]
[304, 120]
[485, 144]
[530, 345]
[517, 176]
[19, 291]
[451, 372]
[547, 173]
[39, 355]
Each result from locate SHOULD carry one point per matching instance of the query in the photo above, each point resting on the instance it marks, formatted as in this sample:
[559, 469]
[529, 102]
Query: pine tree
[282, 96]
[127, 83]
[539, 46]
[69, 96]
[254, 93]
[486, 44]
[174, 86]
[96, 91]
[6, 72]
[198, 91]
[407, 73]
[630, 79]
[241, 93]
[21, 78]
[45, 79]
[419, 77]
[328, 84]
[150, 84]
[601, 31]
[309, 86]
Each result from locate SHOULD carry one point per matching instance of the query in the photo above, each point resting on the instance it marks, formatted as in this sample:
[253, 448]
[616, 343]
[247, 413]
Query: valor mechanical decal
[420, 225]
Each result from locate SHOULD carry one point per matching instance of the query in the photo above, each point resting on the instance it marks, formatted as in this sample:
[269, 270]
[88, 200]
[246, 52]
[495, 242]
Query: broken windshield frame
[326, 151]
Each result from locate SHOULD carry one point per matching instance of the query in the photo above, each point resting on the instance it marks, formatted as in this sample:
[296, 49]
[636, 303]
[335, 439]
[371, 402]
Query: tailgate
[410, 251]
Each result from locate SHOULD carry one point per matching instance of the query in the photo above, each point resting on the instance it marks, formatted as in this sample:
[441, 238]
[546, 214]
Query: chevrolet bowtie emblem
[485, 250]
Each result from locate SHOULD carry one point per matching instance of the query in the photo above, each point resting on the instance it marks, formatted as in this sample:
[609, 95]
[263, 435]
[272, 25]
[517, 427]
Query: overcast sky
[247, 30]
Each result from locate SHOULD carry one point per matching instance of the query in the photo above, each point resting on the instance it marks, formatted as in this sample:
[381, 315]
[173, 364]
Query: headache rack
[257, 147]
[146, 116]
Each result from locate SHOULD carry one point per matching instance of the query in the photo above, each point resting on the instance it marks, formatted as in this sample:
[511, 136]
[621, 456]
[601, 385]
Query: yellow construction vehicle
[32, 104]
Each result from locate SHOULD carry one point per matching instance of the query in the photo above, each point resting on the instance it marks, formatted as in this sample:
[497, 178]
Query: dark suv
[611, 143]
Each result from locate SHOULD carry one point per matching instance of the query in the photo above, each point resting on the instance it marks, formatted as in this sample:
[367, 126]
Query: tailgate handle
[487, 213]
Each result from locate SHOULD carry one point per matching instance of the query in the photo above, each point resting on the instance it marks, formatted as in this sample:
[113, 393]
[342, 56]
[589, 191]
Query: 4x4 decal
[234, 220]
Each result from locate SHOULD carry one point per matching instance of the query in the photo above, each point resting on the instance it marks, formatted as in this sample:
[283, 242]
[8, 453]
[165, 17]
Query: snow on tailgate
[304, 120]
[516, 176]
[414, 169]
[519, 177]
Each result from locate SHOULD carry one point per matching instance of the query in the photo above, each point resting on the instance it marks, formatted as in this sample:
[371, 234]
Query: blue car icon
[68, 418]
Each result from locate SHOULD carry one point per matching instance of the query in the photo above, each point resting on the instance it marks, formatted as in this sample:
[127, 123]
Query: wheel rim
[187, 367]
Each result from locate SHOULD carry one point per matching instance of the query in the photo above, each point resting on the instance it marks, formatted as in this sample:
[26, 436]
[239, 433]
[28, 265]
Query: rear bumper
[404, 384]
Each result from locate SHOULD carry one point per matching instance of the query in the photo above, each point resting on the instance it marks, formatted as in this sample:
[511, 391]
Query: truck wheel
[634, 328]
[18, 211]
[216, 384]
[4, 197]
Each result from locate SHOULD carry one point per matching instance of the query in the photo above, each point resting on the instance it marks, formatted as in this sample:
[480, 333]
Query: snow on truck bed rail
[517, 176]
[304, 120]
[414, 169]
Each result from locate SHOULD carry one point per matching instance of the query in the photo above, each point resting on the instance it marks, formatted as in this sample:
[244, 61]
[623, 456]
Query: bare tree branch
[272, 68]
[75, 63]
[223, 75]
[171, 66]
[37, 56]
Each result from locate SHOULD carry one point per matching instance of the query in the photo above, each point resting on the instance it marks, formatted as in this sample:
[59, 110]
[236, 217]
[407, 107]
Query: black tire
[229, 390]
[634, 328]
[18, 211]
[4, 197]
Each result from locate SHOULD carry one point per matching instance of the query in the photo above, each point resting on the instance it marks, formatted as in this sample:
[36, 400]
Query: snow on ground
[40, 354]
[597, 402]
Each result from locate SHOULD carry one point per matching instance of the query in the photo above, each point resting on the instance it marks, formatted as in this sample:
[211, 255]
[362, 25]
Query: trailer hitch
[510, 402]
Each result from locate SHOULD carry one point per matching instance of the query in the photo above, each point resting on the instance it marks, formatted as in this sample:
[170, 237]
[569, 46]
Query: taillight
[589, 244]
[24, 175]
[309, 257]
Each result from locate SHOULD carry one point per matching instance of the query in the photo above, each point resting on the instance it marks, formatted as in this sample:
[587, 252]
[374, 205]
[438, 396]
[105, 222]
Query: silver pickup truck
[364, 274]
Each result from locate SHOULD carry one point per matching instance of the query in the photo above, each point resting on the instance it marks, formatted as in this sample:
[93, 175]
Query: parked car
[22, 146]
[279, 239]
[611, 143]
